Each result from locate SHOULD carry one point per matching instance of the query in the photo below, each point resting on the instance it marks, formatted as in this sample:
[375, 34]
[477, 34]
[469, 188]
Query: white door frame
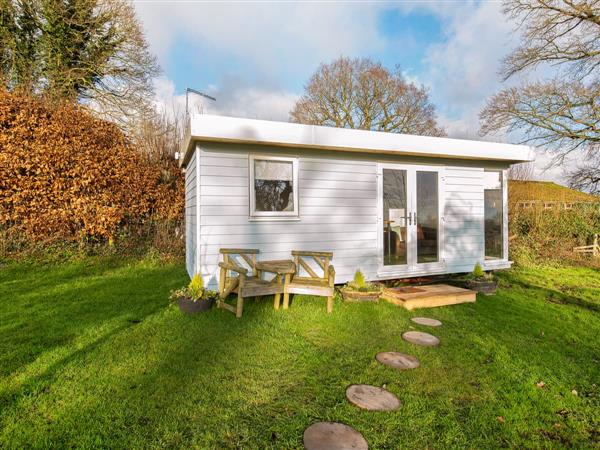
[412, 266]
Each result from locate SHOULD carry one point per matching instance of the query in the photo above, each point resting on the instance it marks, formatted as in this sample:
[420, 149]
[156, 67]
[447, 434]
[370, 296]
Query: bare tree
[91, 51]
[586, 175]
[563, 113]
[559, 115]
[159, 136]
[522, 172]
[359, 93]
[556, 32]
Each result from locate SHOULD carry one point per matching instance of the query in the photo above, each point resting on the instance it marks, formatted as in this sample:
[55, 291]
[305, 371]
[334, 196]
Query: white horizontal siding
[249, 239]
[338, 212]
[224, 181]
[325, 176]
[311, 183]
[314, 220]
[299, 227]
[462, 188]
[324, 209]
[463, 214]
[337, 205]
[223, 171]
[191, 219]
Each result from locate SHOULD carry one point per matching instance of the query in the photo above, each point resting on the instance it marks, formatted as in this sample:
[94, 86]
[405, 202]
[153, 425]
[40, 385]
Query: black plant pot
[188, 306]
[487, 287]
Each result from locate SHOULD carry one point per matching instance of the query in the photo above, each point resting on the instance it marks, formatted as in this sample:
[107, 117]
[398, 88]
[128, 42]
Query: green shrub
[359, 279]
[359, 283]
[539, 236]
[194, 290]
[196, 287]
[478, 271]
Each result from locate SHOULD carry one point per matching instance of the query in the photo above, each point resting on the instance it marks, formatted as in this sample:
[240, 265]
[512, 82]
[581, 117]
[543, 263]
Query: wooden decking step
[430, 296]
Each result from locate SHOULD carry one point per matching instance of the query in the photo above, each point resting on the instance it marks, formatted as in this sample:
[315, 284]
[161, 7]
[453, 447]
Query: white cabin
[392, 205]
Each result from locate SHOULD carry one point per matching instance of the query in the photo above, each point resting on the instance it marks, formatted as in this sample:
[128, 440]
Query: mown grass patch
[92, 355]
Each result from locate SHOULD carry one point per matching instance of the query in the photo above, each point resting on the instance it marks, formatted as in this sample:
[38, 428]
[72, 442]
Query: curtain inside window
[273, 170]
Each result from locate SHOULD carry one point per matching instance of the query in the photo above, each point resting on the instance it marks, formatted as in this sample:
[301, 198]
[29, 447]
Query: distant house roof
[545, 191]
[209, 128]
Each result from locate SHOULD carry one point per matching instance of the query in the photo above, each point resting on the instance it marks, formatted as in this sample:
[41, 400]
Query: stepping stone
[420, 338]
[398, 360]
[426, 321]
[333, 436]
[372, 398]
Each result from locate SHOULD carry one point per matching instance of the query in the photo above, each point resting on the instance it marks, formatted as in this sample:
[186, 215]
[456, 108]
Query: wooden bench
[244, 284]
[319, 280]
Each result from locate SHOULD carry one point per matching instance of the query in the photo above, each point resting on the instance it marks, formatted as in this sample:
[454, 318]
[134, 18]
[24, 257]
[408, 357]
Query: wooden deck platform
[430, 296]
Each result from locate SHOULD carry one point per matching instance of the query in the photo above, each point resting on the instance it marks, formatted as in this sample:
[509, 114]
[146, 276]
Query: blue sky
[255, 57]
[408, 35]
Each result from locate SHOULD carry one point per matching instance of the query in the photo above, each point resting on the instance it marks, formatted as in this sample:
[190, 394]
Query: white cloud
[268, 37]
[463, 70]
[234, 98]
[271, 41]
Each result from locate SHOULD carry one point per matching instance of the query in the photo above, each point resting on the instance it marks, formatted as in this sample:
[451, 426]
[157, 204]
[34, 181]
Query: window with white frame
[494, 214]
[273, 186]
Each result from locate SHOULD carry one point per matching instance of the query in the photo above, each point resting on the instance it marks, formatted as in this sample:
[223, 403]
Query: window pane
[493, 216]
[273, 185]
[427, 217]
[394, 217]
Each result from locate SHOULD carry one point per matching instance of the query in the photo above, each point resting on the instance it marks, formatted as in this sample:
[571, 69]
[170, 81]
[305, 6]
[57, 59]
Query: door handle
[412, 218]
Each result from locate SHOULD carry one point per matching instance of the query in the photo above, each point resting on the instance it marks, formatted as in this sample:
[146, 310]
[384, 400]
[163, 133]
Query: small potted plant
[194, 298]
[483, 282]
[360, 290]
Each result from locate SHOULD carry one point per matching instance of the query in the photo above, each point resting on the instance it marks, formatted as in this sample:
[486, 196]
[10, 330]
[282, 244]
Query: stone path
[398, 360]
[426, 321]
[420, 338]
[338, 436]
[372, 398]
[333, 436]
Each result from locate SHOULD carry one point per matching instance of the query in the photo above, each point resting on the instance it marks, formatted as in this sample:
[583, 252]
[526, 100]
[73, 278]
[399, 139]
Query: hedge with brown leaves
[66, 175]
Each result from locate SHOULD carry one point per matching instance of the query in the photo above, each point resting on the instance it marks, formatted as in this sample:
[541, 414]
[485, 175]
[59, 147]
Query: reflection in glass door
[427, 217]
[410, 218]
[395, 208]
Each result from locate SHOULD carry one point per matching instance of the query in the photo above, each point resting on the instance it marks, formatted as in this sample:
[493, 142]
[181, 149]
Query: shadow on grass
[10, 397]
[49, 311]
[213, 381]
[176, 394]
[550, 295]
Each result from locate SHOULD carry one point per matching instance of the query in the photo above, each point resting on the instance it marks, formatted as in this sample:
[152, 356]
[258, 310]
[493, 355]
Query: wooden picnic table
[283, 268]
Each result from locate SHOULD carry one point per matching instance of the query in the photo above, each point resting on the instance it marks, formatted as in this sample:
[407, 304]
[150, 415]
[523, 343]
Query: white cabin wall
[191, 216]
[338, 210]
[337, 204]
[463, 218]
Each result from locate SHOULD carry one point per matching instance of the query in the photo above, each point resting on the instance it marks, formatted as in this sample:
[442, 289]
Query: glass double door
[409, 217]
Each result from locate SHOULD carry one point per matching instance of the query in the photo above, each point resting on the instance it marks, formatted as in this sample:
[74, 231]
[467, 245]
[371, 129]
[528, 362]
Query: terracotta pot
[188, 306]
[487, 287]
[351, 295]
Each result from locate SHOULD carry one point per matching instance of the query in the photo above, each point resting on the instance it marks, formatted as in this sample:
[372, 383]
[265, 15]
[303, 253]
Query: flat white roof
[210, 128]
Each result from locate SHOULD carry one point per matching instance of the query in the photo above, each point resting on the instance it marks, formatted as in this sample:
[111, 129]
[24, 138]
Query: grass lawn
[92, 355]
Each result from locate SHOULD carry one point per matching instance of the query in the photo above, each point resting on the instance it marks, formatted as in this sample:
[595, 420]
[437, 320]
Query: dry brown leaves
[65, 174]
